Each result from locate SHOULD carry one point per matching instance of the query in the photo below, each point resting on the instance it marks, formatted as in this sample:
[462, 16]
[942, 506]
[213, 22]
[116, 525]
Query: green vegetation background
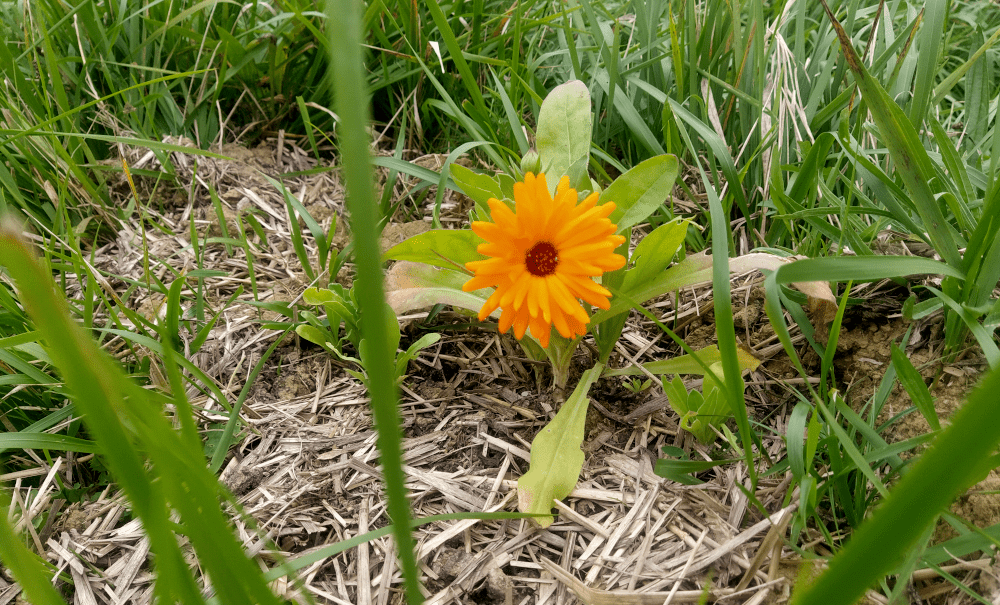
[790, 142]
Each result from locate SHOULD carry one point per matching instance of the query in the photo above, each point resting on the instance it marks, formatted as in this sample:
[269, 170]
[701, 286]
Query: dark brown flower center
[542, 259]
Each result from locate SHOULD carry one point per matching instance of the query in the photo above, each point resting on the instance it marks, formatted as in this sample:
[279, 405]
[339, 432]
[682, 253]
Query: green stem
[560, 354]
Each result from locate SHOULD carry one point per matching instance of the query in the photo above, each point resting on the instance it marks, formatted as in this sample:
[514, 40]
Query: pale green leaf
[412, 286]
[319, 296]
[556, 457]
[563, 136]
[450, 248]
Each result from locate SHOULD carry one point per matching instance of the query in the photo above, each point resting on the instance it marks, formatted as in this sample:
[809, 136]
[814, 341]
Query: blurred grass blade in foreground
[169, 476]
[352, 104]
[941, 474]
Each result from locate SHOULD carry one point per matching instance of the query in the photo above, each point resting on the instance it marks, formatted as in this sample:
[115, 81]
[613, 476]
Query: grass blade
[908, 154]
[940, 475]
[347, 59]
[915, 387]
[928, 42]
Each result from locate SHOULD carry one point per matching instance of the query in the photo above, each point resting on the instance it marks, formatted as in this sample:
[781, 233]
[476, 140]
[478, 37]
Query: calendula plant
[341, 324]
[544, 250]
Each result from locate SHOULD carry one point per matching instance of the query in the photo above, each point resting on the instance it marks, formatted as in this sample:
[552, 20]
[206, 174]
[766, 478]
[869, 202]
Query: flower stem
[560, 353]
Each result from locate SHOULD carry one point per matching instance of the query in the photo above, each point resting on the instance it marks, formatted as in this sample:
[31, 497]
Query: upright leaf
[563, 137]
[479, 187]
[655, 251]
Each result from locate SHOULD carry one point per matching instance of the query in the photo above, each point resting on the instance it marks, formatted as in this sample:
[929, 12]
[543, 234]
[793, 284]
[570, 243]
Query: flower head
[543, 258]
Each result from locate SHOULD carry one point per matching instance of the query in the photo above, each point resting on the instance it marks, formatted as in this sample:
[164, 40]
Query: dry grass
[305, 473]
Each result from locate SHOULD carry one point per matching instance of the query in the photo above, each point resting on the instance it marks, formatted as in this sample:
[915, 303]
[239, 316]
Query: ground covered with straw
[306, 472]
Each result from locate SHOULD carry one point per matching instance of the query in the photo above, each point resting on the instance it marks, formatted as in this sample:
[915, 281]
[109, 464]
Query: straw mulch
[306, 472]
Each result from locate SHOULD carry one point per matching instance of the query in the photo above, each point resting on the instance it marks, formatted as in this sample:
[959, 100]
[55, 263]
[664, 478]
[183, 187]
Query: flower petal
[584, 241]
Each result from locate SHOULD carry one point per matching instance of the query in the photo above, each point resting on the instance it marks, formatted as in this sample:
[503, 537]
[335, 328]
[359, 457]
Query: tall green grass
[159, 468]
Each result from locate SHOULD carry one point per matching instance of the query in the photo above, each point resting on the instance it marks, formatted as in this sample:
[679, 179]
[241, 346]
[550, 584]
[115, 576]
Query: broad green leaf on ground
[641, 190]
[563, 137]
[687, 364]
[556, 457]
[449, 248]
[412, 286]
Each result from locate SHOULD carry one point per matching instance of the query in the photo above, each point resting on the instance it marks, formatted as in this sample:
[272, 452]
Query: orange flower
[543, 257]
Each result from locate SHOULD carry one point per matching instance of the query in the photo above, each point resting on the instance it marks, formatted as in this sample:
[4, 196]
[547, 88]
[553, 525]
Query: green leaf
[422, 343]
[908, 154]
[412, 286]
[700, 411]
[928, 41]
[940, 474]
[978, 83]
[321, 296]
[641, 190]
[694, 269]
[680, 470]
[655, 251]
[313, 335]
[556, 457]
[563, 136]
[719, 149]
[444, 29]
[352, 103]
[915, 387]
[859, 268]
[795, 437]
[479, 187]
[45, 441]
[449, 248]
